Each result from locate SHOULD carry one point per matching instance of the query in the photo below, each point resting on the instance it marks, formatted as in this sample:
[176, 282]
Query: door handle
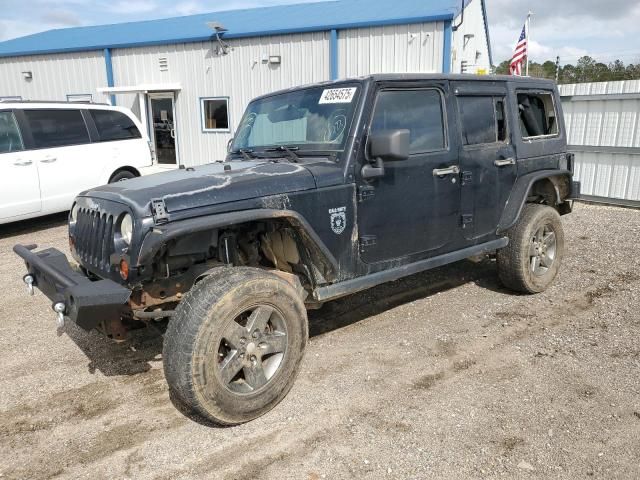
[23, 163]
[48, 160]
[504, 162]
[172, 132]
[441, 172]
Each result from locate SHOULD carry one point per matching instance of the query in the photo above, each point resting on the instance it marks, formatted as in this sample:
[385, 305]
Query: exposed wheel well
[549, 191]
[125, 169]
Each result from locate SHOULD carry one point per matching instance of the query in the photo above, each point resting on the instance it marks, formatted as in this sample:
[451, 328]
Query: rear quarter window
[113, 125]
[537, 114]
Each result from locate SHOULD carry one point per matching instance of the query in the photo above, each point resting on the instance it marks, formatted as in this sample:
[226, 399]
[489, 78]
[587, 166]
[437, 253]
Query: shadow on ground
[33, 225]
[145, 345]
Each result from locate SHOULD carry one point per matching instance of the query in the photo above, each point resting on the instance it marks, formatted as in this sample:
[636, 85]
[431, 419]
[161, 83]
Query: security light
[27, 75]
[219, 30]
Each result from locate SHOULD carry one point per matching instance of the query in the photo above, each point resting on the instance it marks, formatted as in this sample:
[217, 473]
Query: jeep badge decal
[338, 219]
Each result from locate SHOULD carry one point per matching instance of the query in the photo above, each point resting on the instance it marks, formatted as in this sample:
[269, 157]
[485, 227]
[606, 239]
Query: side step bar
[341, 289]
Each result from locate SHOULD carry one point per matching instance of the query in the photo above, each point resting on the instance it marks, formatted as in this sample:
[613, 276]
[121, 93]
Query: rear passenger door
[63, 153]
[487, 159]
[20, 188]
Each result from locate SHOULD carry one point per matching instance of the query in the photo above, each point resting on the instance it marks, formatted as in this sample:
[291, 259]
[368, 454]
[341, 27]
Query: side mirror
[390, 145]
[229, 143]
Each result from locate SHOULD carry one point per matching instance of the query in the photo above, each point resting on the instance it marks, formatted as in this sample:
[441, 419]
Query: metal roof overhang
[142, 88]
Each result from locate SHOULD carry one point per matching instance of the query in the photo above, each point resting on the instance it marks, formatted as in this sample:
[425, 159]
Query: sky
[604, 29]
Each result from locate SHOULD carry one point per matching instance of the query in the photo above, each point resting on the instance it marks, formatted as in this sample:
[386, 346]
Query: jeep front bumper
[74, 296]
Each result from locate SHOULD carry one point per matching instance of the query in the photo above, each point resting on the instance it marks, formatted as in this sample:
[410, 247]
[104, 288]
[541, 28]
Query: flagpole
[528, 38]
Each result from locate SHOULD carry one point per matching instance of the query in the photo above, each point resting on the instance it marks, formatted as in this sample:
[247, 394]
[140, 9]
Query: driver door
[414, 209]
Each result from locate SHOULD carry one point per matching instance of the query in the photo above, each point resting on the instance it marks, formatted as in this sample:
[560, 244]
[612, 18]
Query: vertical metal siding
[54, 76]
[477, 43]
[604, 133]
[416, 48]
[240, 75]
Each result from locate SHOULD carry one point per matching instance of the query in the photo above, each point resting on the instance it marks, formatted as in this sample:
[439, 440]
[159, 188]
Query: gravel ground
[441, 375]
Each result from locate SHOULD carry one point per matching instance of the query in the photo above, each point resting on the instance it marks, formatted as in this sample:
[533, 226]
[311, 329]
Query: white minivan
[51, 151]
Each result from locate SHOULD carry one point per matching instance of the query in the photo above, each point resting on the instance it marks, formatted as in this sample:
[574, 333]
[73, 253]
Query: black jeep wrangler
[327, 190]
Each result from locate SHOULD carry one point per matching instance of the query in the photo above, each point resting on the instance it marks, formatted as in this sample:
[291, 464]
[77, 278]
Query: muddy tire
[233, 349]
[536, 246]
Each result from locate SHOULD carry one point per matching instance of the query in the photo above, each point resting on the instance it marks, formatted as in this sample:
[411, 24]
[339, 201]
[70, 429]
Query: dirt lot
[442, 375]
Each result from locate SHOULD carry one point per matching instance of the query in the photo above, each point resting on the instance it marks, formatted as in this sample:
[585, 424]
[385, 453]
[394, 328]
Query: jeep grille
[94, 238]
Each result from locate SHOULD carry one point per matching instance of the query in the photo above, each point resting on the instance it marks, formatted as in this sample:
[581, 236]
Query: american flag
[519, 54]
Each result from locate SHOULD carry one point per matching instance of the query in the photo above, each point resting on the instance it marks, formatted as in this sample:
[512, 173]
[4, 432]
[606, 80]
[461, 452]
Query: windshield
[316, 118]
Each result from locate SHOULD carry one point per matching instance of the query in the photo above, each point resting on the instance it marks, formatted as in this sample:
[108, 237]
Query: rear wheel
[536, 246]
[121, 176]
[234, 347]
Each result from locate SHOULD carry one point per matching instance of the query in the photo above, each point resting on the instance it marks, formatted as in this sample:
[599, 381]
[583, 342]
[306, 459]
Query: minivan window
[10, 138]
[113, 125]
[483, 120]
[419, 111]
[537, 114]
[56, 127]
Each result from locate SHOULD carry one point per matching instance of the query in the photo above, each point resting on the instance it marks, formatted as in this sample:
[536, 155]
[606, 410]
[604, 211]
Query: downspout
[446, 54]
[333, 55]
[109, 65]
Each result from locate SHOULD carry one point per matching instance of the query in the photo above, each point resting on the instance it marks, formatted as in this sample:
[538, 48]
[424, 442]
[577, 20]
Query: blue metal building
[195, 74]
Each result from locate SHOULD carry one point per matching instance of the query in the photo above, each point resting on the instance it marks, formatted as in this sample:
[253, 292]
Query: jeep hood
[207, 185]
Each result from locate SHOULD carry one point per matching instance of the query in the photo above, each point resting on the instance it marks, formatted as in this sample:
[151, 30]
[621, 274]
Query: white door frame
[152, 134]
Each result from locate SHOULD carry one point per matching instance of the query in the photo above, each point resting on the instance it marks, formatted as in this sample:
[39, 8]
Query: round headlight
[126, 228]
[74, 213]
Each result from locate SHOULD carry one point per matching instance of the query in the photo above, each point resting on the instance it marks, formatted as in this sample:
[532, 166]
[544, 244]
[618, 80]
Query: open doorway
[162, 127]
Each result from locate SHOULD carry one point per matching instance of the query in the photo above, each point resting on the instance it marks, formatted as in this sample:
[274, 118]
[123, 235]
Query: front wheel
[233, 349]
[536, 246]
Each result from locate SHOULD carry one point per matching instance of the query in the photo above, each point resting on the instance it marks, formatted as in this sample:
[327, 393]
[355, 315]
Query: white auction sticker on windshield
[338, 95]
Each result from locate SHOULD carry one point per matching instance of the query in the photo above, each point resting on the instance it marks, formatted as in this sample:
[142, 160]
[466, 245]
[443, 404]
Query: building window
[215, 114]
[80, 97]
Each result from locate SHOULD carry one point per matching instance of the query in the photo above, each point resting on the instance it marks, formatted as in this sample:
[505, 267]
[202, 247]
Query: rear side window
[57, 128]
[419, 111]
[483, 120]
[113, 125]
[10, 138]
[537, 114]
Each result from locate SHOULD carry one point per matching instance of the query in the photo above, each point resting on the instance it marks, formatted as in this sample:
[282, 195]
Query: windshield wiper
[288, 150]
[247, 153]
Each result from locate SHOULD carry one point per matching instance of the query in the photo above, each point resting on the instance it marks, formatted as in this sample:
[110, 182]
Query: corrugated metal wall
[241, 75]
[54, 76]
[470, 42]
[603, 125]
[399, 48]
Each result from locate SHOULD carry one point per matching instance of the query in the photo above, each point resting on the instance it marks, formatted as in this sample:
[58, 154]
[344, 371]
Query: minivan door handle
[22, 163]
[49, 160]
[441, 172]
[503, 162]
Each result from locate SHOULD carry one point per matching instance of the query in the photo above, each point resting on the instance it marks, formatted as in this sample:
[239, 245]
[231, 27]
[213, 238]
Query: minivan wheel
[536, 246]
[121, 176]
[233, 349]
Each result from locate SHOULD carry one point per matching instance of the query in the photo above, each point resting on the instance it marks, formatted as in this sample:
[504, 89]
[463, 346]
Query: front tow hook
[60, 308]
[29, 280]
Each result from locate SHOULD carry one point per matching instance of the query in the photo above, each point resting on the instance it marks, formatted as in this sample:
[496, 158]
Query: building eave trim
[230, 35]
